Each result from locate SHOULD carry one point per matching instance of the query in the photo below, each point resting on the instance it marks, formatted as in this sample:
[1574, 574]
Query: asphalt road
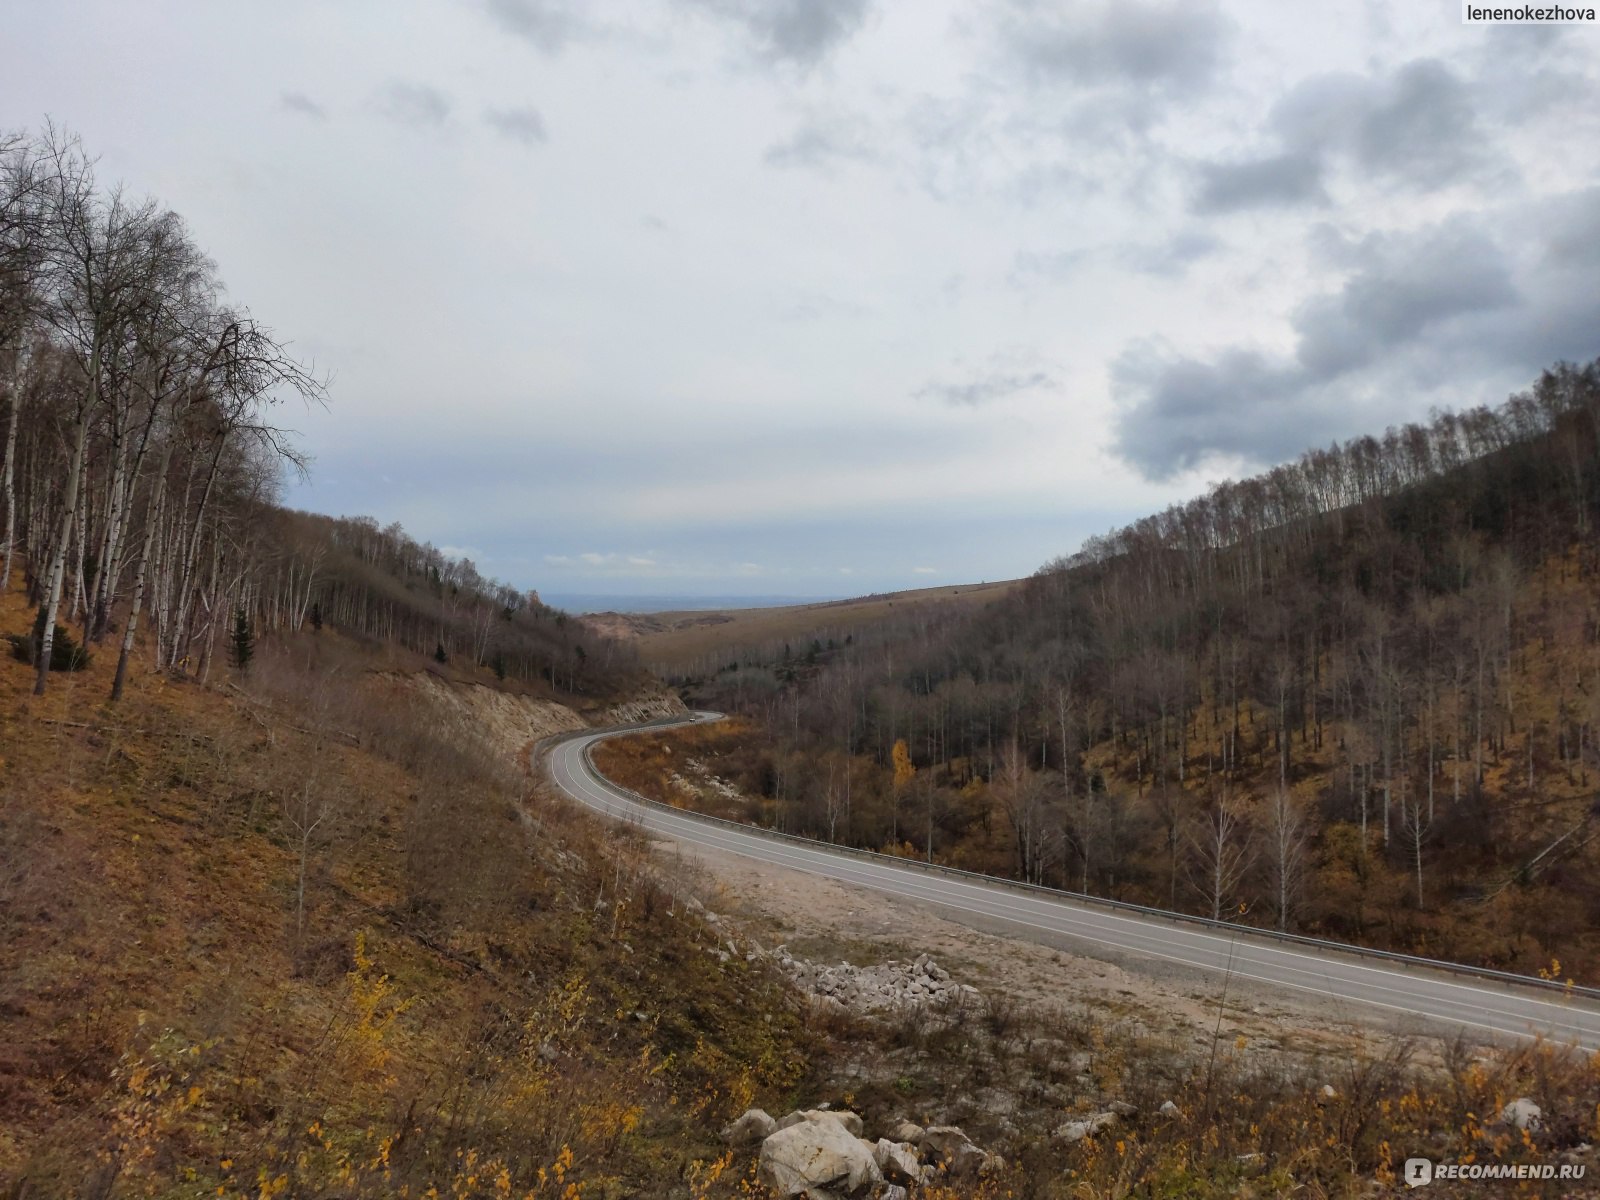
[1366, 990]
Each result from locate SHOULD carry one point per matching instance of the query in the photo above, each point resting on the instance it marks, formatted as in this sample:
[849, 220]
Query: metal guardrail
[1507, 978]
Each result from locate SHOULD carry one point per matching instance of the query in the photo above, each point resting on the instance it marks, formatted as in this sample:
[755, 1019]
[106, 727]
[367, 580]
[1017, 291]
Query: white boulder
[898, 1161]
[1522, 1113]
[813, 1157]
[752, 1127]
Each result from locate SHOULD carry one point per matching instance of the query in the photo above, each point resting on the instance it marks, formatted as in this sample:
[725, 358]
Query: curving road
[1417, 996]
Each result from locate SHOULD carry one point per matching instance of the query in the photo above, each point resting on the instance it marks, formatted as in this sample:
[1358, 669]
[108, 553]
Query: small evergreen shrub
[65, 653]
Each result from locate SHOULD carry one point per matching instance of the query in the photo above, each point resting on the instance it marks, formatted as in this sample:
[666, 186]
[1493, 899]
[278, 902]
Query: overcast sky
[829, 296]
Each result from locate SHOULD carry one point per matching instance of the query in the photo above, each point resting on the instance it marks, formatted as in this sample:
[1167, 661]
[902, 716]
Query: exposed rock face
[754, 1126]
[512, 723]
[817, 1159]
[643, 708]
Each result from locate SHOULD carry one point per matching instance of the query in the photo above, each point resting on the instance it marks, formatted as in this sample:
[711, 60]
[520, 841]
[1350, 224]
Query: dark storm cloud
[523, 125]
[1283, 179]
[985, 389]
[802, 32]
[1417, 312]
[1165, 45]
[299, 102]
[547, 24]
[414, 104]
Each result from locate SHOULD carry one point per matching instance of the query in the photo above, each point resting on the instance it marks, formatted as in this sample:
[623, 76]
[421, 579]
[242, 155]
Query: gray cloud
[1283, 179]
[1417, 312]
[1417, 125]
[547, 24]
[801, 32]
[1185, 411]
[820, 143]
[1047, 266]
[414, 104]
[1421, 126]
[299, 102]
[1173, 257]
[1405, 285]
[523, 125]
[1165, 45]
[985, 389]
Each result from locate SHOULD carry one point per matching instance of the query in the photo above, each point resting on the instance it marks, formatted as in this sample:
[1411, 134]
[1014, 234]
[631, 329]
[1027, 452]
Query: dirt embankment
[515, 723]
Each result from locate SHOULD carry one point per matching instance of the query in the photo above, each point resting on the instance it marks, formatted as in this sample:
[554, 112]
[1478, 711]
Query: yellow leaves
[904, 769]
[703, 1176]
[371, 998]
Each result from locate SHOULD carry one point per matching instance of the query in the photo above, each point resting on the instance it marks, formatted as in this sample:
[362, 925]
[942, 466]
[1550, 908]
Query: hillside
[680, 645]
[309, 931]
[313, 931]
[1355, 696]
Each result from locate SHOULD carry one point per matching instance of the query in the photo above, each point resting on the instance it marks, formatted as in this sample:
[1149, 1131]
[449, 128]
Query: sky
[822, 297]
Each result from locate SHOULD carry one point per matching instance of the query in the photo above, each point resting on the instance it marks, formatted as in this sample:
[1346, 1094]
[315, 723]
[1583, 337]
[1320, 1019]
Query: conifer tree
[244, 640]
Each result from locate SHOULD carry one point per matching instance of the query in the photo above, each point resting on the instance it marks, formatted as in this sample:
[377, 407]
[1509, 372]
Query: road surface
[1416, 995]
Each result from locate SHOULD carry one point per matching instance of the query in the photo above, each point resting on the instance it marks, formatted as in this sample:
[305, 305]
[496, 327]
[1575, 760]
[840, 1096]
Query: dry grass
[678, 641]
[286, 940]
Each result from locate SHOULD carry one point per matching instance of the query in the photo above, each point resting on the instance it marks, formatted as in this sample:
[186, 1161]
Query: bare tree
[1222, 852]
[1287, 838]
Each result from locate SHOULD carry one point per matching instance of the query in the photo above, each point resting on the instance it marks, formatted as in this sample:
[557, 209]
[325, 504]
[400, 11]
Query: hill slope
[1357, 696]
[313, 934]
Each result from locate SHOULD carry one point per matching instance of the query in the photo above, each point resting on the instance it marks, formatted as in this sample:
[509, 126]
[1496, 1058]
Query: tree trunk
[152, 521]
[69, 506]
[9, 487]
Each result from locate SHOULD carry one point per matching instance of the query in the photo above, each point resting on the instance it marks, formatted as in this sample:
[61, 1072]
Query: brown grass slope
[284, 938]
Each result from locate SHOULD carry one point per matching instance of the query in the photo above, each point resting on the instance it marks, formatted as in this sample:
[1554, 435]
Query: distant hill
[1356, 695]
[681, 645]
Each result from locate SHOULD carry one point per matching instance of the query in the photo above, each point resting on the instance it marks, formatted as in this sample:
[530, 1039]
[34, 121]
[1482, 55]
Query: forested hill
[144, 450]
[1357, 695]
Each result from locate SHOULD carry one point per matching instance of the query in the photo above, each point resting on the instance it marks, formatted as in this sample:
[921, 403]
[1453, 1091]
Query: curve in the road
[1490, 1011]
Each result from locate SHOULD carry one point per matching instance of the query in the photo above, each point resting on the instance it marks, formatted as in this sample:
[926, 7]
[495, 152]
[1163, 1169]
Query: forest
[145, 454]
[1355, 695]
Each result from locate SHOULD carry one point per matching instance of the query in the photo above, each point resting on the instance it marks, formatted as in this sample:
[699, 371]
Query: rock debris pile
[823, 1154]
[889, 985]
